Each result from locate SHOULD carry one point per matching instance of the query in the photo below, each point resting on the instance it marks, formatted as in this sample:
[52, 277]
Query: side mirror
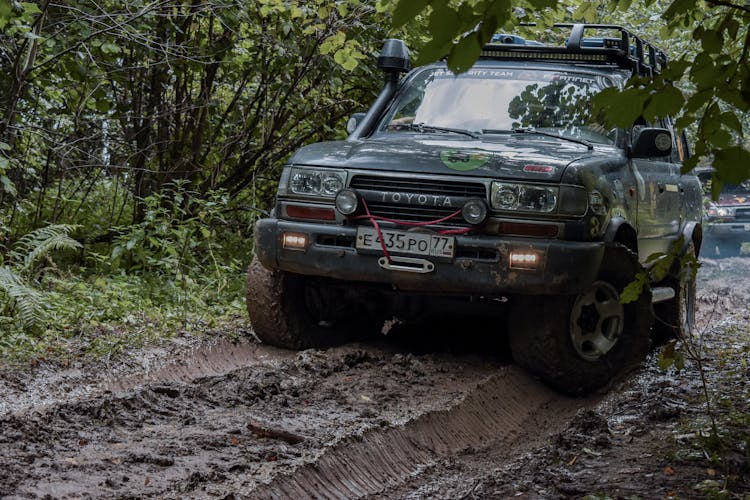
[394, 57]
[651, 142]
[355, 120]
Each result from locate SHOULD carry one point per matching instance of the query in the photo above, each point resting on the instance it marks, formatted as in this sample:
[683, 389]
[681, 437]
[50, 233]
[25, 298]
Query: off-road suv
[494, 190]
[727, 219]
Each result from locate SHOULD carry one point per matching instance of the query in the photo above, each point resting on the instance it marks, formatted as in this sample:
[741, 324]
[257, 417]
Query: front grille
[420, 186]
[742, 214]
[412, 213]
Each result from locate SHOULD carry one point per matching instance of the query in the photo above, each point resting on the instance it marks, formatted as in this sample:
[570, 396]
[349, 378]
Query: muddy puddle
[427, 414]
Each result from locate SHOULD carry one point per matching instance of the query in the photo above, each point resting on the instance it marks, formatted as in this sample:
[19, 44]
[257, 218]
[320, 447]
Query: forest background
[140, 140]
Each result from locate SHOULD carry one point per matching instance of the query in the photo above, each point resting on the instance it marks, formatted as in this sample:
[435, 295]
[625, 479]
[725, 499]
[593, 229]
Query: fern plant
[19, 299]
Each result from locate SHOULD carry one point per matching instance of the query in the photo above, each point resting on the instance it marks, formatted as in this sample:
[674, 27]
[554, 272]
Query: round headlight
[474, 211]
[506, 197]
[347, 201]
[331, 184]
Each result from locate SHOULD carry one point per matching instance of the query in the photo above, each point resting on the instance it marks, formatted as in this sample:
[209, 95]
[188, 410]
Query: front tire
[289, 311]
[578, 344]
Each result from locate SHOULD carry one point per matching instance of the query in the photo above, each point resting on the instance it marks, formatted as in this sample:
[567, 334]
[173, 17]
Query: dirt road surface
[430, 412]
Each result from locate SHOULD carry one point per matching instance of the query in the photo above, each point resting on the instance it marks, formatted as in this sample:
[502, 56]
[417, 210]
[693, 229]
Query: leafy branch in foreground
[706, 87]
[19, 300]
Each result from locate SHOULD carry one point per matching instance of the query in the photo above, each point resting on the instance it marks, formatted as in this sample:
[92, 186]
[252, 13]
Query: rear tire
[289, 311]
[578, 344]
[676, 318]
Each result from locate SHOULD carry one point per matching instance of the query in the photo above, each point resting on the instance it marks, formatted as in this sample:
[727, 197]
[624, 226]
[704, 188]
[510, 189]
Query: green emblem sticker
[463, 161]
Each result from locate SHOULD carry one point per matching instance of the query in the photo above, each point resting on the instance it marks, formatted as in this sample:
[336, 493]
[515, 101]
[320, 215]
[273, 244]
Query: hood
[495, 157]
[731, 199]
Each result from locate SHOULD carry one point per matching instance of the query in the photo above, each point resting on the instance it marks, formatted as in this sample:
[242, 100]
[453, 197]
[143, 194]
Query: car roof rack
[628, 51]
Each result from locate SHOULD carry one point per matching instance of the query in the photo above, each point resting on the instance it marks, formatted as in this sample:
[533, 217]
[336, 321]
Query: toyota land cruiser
[500, 184]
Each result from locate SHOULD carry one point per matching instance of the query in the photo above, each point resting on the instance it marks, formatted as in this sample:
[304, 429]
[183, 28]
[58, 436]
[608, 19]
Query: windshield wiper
[534, 131]
[556, 136]
[422, 128]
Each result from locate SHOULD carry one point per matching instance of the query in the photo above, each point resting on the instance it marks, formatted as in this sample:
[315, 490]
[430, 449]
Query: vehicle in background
[726, 221]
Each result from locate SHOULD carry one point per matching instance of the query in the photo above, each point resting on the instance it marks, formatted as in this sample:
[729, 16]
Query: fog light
[347, 201]
[524, 259]
[294, 241]
[474, 211]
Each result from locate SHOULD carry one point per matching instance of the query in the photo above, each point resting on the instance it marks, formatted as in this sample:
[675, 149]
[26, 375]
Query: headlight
[316, 182]
[725, 211]
[523, 197]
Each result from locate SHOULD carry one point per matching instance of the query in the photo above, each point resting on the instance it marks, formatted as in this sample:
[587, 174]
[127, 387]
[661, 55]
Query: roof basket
[626, 51]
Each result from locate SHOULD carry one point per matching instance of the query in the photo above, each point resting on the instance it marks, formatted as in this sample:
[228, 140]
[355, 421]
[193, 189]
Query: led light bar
[294, 241]
[524, 259]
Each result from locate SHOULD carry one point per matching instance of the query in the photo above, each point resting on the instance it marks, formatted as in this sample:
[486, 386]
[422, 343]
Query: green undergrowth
[106, 315]
[717, 437]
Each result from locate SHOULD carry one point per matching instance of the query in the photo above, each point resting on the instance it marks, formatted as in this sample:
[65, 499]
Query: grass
[103, 316]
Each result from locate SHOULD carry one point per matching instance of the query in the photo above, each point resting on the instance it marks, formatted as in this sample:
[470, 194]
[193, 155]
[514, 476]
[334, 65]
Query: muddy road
[419, 413]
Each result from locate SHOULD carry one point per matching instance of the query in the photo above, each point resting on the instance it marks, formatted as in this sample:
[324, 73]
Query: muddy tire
[721, 249]
[676, 318]
[581, 343]
[283, 311]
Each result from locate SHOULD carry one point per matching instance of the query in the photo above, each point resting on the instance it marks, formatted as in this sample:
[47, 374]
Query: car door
[659, 203]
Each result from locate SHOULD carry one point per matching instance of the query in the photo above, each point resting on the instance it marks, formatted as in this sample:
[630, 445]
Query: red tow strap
[375, 218]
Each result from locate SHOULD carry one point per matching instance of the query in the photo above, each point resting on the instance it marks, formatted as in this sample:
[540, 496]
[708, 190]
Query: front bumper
[734, 231]
[481, 265]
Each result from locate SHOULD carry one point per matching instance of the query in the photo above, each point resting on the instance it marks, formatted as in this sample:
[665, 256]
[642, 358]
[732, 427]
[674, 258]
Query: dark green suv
[496, 190]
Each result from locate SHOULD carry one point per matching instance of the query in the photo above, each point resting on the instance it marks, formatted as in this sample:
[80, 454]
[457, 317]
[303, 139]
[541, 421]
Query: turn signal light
[526, 229]
[524, 259]
[294, 241]
[306, 212]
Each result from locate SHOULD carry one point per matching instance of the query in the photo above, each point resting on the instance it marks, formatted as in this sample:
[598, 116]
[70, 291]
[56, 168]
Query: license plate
[434, 245]
[747, 227]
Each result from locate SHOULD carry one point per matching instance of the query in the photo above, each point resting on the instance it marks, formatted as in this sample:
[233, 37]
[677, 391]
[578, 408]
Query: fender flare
[620, 230]
[692, 232]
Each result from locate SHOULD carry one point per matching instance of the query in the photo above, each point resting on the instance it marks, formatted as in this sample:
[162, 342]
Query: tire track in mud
[509, 411]
[375, 420]
[181, 438]
[213, 359]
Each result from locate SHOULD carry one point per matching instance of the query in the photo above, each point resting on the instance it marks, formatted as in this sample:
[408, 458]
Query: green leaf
[670, 356]
[732, 164]
[465, 53]
[732, 121]
[30, 8]
[668, 100]
[8, 185]
[633, 290]
[712, 41]
[678, 7]
[543, 4]
[407, 10]
[442, 24]
[621, 109]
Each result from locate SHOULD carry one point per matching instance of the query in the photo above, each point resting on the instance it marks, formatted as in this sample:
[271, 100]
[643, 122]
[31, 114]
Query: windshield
[496, 100]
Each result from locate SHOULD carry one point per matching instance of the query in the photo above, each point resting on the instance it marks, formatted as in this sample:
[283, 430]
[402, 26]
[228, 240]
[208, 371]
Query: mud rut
[245, 419]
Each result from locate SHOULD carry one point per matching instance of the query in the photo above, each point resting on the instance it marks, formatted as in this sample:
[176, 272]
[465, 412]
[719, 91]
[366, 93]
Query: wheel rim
[596, 321]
